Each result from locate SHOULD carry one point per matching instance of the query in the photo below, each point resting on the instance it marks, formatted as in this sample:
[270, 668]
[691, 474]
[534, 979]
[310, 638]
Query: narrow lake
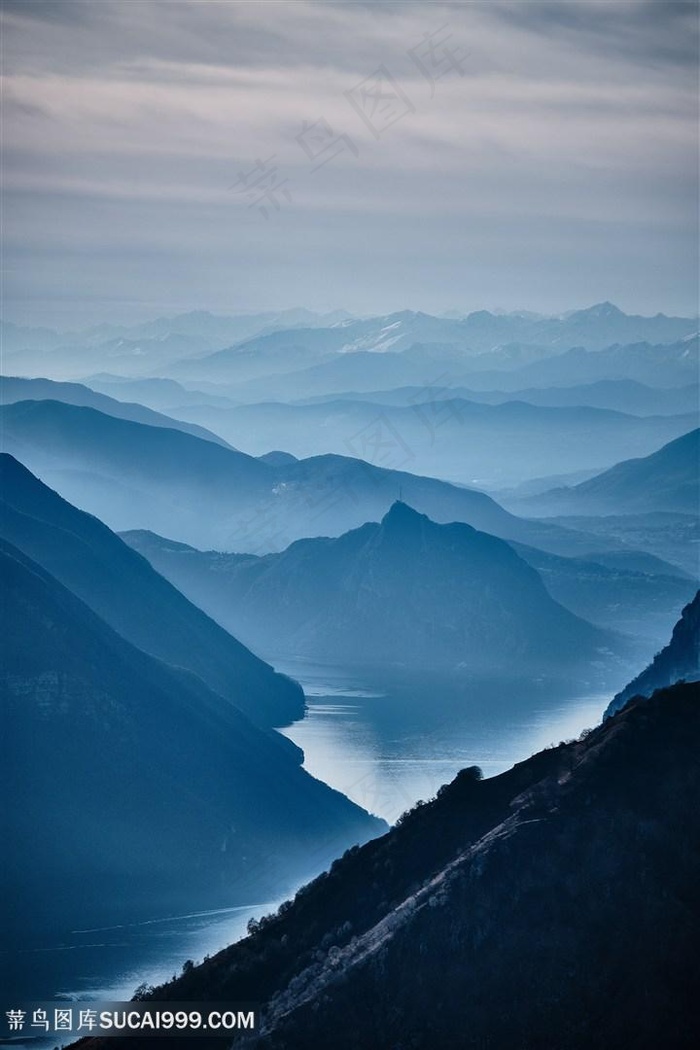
[111, 962]
[385, 741]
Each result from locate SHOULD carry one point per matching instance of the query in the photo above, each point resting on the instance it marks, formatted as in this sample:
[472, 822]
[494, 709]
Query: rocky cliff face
[557, 905]
[679, 660]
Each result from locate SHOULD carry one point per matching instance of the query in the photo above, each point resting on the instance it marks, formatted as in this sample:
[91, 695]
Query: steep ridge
[679, 660]
[13, 389]
[557, 904]
[131, 597]
[134, 788]
[666, 480]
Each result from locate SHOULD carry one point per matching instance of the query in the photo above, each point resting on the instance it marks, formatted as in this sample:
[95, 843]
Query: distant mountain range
[133, 789]
[234, 349]
[619, 395]
[478, 333]
[656, 365]
[488, 446]
[677, 661]
[667, 480]
[403, 592]
[554, 905]
[132, 598]
[139, 349]
[136, 476]
[431, 366]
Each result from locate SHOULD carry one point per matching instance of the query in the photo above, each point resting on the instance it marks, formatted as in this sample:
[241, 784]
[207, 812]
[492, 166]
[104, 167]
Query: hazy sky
[512, 154]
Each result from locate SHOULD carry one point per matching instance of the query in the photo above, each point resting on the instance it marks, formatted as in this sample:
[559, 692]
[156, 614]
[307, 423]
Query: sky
[164, 156]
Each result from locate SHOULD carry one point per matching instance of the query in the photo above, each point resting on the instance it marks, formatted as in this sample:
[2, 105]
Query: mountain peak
[400, 514]
[605, 309]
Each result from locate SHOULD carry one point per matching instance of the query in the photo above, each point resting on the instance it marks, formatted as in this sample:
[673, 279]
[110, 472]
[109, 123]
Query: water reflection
[109, 963]
[387, 741]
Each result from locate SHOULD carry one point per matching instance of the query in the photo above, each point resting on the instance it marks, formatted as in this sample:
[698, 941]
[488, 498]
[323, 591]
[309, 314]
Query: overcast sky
[536, 155]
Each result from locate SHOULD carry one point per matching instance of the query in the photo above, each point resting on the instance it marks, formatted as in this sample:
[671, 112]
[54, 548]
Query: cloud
[70, 12]
[140, 116]
[638, 30]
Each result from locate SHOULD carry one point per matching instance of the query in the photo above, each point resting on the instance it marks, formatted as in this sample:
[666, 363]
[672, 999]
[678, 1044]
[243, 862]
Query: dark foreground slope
[679, 660]
[557, 905]
[124, 590]
[131, 787]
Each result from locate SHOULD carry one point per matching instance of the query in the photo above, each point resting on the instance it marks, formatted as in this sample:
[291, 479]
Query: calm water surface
[385, 741]
[109, 963]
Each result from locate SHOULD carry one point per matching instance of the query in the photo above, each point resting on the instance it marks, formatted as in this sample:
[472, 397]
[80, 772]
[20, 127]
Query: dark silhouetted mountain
[666, 480]
[132, 598]
[404, 592]
[134, 789]
[555, 905]
[638, 595]
[677, 661]
[14, 389]
[134, 476]
[483, 445]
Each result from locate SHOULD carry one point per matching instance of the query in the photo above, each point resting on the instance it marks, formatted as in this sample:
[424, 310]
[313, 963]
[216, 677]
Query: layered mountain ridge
[174, 484]
[131, 597]
[555, 904]
[405, 591]
[135, 790]
[666, 480]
